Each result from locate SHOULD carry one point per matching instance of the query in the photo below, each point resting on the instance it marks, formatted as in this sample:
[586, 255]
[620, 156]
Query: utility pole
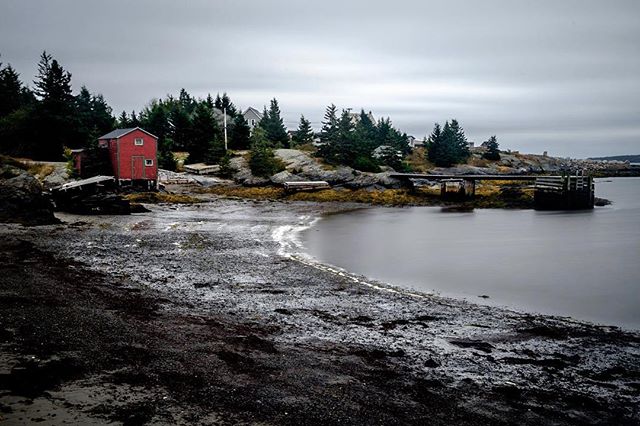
[224, 116]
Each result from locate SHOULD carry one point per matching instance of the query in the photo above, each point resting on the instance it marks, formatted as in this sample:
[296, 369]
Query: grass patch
[418, 162]
[161, 197]
[478, 161]
[307, 147]
[40, 170]
[256, 193]
[388, 197]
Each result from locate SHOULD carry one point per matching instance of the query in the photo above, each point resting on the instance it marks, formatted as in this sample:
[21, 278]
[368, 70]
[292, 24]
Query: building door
[137, 167]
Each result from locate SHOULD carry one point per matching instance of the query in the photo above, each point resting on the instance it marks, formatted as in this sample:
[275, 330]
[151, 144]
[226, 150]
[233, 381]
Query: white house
[253, 117]
[414, 143]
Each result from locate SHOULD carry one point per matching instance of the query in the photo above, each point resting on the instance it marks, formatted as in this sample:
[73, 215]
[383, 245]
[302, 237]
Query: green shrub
[262, 160]
[366, 164]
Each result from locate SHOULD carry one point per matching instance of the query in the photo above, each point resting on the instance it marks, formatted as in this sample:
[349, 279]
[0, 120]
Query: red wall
[123, 150]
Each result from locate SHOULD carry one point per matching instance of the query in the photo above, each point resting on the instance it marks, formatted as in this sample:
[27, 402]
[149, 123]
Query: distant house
[253, 117]
[355, 117]
[414, 143]
[134, 156]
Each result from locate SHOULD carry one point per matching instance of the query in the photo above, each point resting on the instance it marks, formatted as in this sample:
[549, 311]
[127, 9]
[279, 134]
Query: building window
[138, 141]
[253, 122]
[148, 162]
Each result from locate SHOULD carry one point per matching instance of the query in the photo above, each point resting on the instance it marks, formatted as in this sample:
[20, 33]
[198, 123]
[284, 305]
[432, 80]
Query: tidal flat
[204, 313]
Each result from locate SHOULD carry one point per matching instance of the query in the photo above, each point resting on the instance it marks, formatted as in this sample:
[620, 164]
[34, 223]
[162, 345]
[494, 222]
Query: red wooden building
[133, 154]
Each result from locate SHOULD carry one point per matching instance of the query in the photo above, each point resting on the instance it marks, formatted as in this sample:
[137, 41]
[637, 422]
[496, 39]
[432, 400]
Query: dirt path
[189, 315]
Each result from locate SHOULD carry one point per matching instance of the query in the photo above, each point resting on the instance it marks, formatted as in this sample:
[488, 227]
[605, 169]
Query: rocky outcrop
[22, 199]
[302, 166]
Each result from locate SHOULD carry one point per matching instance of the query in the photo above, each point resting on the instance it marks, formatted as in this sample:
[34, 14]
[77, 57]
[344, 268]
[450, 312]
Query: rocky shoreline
[200, 314]
[302, 166]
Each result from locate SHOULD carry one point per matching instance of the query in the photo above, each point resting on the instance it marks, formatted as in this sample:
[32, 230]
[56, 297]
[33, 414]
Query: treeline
[38, 122]
[195, 126]
[447, 145]
[352, 138]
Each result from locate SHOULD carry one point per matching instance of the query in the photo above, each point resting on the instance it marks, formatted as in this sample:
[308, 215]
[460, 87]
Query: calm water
[580, 264]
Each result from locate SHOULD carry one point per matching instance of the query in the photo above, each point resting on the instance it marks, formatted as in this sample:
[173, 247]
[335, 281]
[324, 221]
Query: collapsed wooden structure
[94, 195]
[562, 192]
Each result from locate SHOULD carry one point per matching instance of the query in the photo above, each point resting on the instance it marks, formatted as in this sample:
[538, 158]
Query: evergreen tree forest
[447, 145]
[350, 139]
[40, 121]
[195, 126]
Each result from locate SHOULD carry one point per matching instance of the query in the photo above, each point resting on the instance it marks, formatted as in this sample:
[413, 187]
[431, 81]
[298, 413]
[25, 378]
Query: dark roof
[118, 133]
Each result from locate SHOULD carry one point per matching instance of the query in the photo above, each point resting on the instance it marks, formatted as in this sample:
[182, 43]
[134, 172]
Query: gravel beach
[211, 313]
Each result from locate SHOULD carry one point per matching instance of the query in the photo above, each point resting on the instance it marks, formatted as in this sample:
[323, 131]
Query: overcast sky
[559, 76]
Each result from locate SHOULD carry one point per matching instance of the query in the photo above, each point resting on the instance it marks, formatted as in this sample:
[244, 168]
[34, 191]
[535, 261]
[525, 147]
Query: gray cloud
[545, 75]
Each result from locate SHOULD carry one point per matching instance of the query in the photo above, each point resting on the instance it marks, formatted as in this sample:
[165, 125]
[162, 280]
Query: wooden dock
[562, 192]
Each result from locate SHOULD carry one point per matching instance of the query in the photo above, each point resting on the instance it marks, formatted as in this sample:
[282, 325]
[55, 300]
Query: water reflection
[584, 264]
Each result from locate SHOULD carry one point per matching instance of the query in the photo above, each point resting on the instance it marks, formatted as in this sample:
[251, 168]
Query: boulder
[387, 181]
[285, 176]
[362, 180]
[242, 170]
[22, 199]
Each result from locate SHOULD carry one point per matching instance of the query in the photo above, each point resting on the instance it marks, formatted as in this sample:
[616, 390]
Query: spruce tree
[447, 146]
[329, 130]
[84, 114]
[10, 91]
[186, 102]
[181, 128]
[366, 133]
[493, 151]
[102, 114]
[462, 152]
[134, 119]
[123, 120]
[56, 123]
[53, 83]
[262, 161]
[239, 133]
[304, 134]
[273, 125]
[205, 142]
[345, 149]
[155, 119]
[224, 103]
[328, 134]
[209, 101]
